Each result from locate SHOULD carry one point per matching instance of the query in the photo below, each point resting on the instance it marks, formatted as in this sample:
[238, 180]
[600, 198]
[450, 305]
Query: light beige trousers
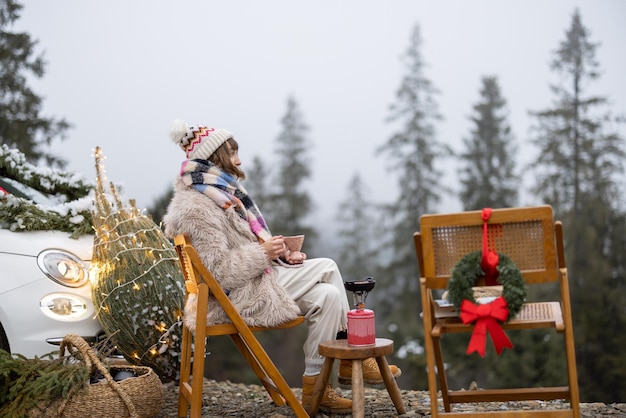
[318, 290]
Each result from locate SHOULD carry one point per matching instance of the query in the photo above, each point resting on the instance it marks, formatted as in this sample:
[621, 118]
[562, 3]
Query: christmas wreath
[496, 268]
[468, 270]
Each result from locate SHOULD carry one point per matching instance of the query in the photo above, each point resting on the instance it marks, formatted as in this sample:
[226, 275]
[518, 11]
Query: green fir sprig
[35, 383]
[47, 180]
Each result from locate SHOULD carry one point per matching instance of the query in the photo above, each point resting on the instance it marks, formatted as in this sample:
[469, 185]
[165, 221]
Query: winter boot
[331, 403]
[371, 373]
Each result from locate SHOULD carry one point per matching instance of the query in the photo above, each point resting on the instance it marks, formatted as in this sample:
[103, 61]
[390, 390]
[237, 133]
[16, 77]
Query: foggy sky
[121, 71]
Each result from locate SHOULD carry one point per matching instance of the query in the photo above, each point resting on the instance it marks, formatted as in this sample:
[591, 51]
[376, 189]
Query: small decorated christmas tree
[138, 286]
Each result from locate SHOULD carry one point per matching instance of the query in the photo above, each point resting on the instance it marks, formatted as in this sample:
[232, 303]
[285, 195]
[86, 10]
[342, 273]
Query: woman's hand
[274, 247]
[295, 257]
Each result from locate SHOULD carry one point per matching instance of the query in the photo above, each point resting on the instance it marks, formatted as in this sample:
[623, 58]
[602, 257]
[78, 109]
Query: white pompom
[178, 130]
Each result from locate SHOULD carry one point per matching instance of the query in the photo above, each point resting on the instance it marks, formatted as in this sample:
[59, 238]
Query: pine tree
[159, 206]
[413, 152]
[256, 184]
[488, 178]
[357, 256]
[21, 123]
[291, 202]
[580, 159]
[578, 155]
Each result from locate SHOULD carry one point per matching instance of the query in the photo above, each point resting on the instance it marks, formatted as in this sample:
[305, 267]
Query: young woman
[266, 283]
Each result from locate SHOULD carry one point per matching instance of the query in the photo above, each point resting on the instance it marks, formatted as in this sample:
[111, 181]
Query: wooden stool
[339, 349]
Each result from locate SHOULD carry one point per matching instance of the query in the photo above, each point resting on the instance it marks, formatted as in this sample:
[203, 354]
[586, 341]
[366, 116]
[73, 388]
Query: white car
[45, 291]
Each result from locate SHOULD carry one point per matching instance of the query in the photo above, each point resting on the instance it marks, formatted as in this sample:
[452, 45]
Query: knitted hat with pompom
[198, 142]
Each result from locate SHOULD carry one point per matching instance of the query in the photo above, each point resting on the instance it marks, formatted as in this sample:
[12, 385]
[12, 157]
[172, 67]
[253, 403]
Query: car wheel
[4, 341]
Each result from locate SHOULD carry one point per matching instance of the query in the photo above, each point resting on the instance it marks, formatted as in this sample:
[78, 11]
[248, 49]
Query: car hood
[33, 242]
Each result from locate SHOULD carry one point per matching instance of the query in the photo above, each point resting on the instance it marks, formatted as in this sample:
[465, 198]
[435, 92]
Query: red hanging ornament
[489, 260]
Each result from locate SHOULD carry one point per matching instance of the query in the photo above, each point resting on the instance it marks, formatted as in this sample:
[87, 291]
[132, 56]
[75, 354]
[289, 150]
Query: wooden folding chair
[198, 279]
[534, 242]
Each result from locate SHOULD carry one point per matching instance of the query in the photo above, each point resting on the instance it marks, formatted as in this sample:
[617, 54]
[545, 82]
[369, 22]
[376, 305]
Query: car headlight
[63, 306]
[63, 267]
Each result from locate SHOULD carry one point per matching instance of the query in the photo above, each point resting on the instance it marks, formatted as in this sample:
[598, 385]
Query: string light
[132, 283]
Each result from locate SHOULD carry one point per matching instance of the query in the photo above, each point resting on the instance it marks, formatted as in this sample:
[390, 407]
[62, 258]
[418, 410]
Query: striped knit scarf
[225, 190]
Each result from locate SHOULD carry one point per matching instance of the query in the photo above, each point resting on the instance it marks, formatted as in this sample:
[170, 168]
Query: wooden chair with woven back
[198, 279]
[530, 239]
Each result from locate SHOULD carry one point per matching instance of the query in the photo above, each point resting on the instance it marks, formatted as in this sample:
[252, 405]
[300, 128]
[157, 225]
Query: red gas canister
[361, 327]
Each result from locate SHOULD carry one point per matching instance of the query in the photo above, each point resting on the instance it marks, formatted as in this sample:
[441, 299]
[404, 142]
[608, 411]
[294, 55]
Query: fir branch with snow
[69, 197]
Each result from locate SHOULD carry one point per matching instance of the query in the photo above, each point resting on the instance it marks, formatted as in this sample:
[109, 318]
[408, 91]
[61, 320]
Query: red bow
[487, 317]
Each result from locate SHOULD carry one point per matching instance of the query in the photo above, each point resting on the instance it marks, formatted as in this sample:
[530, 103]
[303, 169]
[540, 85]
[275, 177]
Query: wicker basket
[136, 397]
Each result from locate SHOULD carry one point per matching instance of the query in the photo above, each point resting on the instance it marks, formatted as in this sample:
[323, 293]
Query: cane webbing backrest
[529, 242]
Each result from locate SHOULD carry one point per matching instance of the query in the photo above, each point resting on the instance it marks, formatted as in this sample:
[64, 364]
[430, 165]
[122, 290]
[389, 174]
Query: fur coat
[231, 252]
